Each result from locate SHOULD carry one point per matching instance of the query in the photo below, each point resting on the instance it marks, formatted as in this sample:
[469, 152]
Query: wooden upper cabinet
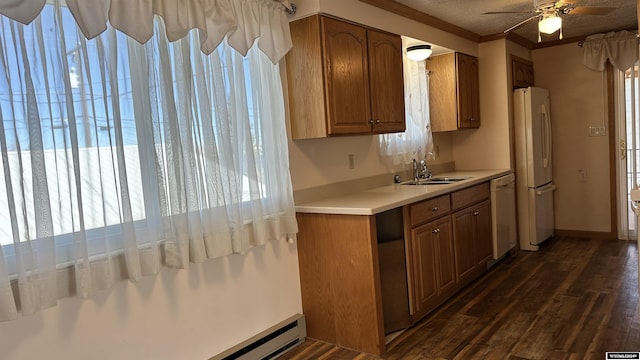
[346, 77]
[343, 79]
[468, 91]
[521, 73]
[386, 82]
[454, 93]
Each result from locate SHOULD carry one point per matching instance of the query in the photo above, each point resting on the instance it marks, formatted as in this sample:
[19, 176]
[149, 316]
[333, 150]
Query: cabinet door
[468, 91]
[522, 74]
[483, 232]
[442, 93]
[346, 77]
[446, 276]
[424, 267]
[386, 82]
[465, 259]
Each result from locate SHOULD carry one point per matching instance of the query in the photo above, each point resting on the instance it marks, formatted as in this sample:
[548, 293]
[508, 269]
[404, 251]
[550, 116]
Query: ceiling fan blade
[510, 12]
[521, 23]
[584, 10]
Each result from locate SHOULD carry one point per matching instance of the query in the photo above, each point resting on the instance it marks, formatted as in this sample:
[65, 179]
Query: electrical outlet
[350, 159]
[597, 131]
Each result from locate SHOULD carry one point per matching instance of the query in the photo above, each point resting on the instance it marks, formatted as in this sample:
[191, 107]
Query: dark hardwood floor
[576, 298]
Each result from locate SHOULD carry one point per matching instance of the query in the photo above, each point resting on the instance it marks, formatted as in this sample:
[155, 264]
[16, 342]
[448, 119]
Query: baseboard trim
[600, 235]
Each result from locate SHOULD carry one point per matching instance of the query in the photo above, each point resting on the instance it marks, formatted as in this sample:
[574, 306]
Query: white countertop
[379, 199]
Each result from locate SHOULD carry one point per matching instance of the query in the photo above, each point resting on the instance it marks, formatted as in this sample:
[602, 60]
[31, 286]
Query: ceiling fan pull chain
[539, 38]
[560, 31]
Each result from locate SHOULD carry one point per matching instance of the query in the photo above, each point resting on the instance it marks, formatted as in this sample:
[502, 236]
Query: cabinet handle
[473, 119]
[476, 213]
[434, 209]
[435, 231]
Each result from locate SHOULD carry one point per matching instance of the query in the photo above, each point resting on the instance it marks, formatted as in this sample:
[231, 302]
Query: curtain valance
[239, 20]
[620, 48]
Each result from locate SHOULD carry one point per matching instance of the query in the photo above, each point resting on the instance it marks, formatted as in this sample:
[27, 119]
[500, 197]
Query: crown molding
[413, 14]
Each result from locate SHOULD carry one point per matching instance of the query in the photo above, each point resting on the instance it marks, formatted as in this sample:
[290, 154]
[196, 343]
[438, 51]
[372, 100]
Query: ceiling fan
[548, 13]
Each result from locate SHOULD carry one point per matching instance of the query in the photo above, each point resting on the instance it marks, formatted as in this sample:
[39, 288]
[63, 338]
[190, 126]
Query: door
[463, 239]
[424, 267]
[446, 276]
[346, 77]
[467, 76]
[541, 209]
[627, 102]
[483, 231]
[538, 133]
[386, 82]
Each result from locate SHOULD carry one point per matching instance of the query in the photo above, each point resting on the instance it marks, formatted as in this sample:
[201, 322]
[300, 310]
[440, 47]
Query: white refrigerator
[534, 176]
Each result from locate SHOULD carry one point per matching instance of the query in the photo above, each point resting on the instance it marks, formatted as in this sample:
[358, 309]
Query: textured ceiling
[469, 15]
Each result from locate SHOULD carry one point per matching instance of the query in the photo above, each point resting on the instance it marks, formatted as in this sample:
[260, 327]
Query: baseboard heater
[270, 343]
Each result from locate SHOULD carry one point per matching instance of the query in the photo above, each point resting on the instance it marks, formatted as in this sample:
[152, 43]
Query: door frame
[613, 153]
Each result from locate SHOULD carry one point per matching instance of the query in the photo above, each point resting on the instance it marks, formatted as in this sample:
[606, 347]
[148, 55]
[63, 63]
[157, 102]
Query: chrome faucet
[420, 170]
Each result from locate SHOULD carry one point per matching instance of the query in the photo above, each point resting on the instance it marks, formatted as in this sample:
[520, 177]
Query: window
[398, 150]
[110, 146]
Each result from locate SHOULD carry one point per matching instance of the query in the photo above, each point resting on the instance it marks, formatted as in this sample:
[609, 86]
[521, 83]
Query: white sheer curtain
[241, 20]
[620, 48]
[398, 149]
[116, 152]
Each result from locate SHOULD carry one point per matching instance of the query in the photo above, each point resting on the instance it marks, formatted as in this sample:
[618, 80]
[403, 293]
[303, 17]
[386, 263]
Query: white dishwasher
[503, 214]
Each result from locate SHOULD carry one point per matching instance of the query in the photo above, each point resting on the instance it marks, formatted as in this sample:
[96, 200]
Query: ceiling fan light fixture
[419, 52]
[550, 24]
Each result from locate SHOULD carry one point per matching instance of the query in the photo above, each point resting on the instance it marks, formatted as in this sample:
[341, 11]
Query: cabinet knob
[371, 122]
[434, 209]
[435, 231]
[378, 121]
[476, 213]
[473, 119]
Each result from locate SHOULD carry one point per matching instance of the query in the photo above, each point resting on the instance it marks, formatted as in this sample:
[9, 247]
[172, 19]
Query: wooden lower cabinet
[483, 232]
[432, 257]
[472, 240]
[340, 280]
[447, 243]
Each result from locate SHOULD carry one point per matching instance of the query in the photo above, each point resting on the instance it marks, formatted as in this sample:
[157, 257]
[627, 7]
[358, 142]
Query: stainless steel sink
[440, 180]
[450, 178]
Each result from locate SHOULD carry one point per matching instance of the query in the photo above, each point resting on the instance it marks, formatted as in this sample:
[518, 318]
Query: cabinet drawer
[429, 209]
[470, 195]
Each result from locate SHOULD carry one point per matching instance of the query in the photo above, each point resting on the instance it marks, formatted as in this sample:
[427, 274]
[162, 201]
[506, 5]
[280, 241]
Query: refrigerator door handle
[546, 135]
[546, 189]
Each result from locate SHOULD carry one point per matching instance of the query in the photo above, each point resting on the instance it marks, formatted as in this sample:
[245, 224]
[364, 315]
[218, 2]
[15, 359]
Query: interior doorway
[626, 102]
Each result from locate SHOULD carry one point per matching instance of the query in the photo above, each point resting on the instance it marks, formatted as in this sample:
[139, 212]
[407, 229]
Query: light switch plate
[597, 131]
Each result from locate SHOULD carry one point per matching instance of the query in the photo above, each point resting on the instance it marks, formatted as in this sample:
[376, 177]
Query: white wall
[488, 147]
[578, 100]
[179, 314]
